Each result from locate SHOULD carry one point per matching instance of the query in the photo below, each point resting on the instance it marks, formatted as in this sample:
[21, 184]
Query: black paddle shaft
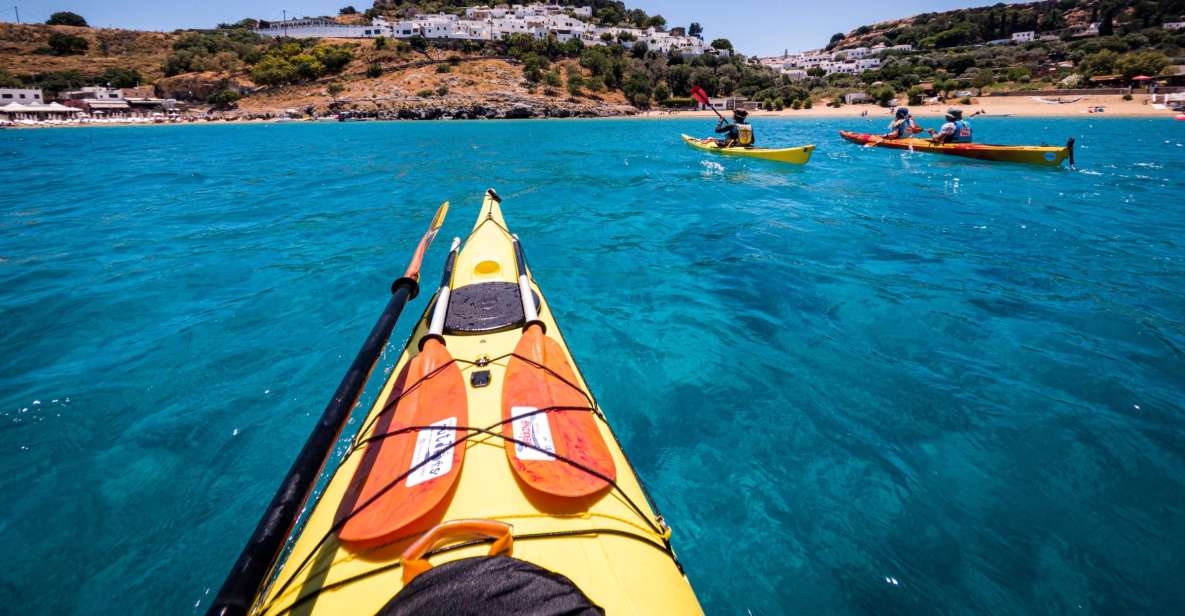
[245, 579]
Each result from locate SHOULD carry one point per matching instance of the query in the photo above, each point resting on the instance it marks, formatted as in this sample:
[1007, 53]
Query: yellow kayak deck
[612, 544]
[796, 156]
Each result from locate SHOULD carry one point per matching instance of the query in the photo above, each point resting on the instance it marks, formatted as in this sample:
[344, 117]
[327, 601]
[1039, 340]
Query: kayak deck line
[610, 542]
[1051, 156]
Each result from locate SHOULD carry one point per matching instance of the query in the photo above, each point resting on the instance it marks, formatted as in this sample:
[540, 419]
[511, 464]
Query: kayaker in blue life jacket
[903, 126]
[740, 133]
[956, 130]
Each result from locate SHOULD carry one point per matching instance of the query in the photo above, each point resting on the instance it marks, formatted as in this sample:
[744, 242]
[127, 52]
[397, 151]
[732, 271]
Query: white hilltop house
[485, 23]
[850, 61]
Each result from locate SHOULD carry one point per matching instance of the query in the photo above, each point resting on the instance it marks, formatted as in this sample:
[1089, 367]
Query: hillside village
[485, 23]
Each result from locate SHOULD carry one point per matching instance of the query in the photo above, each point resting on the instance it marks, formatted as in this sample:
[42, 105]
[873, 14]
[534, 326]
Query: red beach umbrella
[1142, 78]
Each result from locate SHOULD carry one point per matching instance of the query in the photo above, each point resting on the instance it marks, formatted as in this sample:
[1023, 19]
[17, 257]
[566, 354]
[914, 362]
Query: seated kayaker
[739, 133]
[903, 126]
[956, 130]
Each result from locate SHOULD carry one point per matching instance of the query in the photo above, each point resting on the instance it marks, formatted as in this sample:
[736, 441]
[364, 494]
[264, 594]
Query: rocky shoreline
[506, 108]
[485, 111]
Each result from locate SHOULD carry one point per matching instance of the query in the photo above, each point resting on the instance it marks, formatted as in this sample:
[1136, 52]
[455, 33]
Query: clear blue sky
[763, 27]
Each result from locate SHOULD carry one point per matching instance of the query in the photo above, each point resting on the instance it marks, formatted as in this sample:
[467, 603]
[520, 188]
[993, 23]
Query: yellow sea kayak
[796, 156]
[1030, 154]
[485, 474]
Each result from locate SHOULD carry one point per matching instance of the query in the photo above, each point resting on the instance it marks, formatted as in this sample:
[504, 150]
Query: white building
[854, 53]
[20, 95]
[33, 113]
[93, 93]
[320, 27]
[1023, 37]
[901, 48]
[867, 64]
[794, 74]
[852, 98]
[1174, 25]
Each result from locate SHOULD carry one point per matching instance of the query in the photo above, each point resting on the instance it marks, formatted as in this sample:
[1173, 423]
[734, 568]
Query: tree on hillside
[721, 43]
[224, 99]
[983, 79]
[1142, 63]
[116, 77]
[67, 44]
[835, 39]
[66, 18]
[348, 10]
[695, 30]
[1107, 23]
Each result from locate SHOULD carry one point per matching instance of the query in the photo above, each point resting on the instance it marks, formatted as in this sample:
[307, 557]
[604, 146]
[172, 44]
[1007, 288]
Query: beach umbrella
[1142, 78]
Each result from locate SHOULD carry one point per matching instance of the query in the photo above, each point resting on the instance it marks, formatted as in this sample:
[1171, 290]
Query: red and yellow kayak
[484, 479]
[1051, 156]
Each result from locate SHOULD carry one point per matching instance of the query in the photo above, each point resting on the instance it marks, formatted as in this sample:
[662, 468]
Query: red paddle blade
[698, 94]
[572, 434]
[431, 396]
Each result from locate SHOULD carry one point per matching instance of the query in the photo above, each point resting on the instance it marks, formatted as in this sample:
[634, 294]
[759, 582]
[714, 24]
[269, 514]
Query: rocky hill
[387, 77]
[25, 50]
[980, 25]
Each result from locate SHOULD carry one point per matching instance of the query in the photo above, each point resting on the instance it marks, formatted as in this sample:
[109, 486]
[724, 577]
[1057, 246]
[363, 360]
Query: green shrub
[443, 68]
[224, 99]
[661, 93]
[67, 44]
[273, 71]
[120, 77]
[425, 93]
[442, 90]
[915, 95]
[575, 83]
[374, 70]
[380, 42]
[808, 103]
[796, 105]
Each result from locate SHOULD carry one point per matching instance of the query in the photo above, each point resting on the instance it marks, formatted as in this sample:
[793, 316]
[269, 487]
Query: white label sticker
[428, 444]
[533, 429]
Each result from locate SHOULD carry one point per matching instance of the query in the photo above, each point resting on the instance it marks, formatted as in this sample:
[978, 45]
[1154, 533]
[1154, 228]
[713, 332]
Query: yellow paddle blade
[441, 212]
[417, 259]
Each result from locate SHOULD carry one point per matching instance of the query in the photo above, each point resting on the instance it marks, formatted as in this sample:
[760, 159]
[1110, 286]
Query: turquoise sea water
[883, 383]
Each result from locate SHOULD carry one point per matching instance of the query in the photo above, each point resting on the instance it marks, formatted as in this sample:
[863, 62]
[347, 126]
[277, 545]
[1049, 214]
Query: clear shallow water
[881, 383]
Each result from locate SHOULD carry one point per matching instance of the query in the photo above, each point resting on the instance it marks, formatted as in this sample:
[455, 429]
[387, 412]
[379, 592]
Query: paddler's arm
[722, 126]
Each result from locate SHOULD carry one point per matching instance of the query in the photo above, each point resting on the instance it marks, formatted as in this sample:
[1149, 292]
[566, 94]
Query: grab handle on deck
[413, 559]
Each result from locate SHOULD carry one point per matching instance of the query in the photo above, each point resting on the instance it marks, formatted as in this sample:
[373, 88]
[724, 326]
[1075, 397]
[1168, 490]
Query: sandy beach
[1017, 106]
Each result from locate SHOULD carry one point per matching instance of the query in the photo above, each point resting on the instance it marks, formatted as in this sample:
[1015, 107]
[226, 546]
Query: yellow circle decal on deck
[487, 268]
